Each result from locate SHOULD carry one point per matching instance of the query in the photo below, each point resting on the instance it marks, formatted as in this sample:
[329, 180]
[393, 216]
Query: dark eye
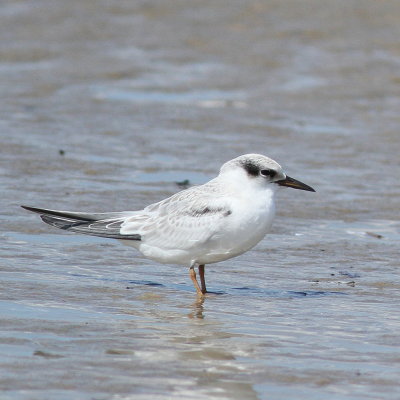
[268, 172]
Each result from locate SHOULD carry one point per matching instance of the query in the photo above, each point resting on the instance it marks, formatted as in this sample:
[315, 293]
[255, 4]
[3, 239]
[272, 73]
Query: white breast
[249, 222]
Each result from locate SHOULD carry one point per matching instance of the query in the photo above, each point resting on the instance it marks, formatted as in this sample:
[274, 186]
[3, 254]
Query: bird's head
[260, 171]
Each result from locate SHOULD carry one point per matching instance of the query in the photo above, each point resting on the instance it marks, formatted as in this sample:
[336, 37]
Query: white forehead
[251, 162]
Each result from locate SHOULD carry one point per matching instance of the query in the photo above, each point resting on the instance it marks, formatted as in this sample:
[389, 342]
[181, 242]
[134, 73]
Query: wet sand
[105, 106]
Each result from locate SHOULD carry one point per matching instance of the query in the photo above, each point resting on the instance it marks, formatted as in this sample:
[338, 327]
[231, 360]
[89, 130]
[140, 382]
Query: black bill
[295, 184]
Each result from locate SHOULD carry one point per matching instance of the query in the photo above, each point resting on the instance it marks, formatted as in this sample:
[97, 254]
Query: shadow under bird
[201, 225]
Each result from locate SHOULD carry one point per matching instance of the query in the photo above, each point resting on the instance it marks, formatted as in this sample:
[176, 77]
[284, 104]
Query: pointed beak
[295, 184]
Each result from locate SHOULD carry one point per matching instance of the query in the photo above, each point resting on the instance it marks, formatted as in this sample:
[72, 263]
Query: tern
[204, 224]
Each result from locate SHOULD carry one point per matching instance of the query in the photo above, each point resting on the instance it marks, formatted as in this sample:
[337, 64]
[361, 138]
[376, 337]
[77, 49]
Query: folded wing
[186, 219]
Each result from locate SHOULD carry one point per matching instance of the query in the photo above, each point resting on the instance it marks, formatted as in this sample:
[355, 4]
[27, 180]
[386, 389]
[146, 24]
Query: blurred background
[106, 105]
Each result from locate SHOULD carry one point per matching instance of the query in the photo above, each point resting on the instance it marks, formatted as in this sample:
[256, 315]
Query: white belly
[238, 237]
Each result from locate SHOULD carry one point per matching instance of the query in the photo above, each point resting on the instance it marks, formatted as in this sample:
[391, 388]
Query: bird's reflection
[197, 308]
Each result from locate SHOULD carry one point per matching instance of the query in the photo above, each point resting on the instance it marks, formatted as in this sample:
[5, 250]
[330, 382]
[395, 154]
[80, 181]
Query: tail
[101, 224]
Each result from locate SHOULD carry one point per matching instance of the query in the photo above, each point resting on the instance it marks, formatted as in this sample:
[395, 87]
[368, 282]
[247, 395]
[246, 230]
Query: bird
[201, 225]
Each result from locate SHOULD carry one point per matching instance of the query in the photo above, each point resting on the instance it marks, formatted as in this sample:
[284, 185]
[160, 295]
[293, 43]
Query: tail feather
[101, 224]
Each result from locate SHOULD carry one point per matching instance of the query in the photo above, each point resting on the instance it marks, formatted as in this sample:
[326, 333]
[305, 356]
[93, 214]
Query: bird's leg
[202, 279]
[192, 274]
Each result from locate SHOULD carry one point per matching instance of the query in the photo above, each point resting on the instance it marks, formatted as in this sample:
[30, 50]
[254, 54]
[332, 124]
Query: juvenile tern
[204, 224]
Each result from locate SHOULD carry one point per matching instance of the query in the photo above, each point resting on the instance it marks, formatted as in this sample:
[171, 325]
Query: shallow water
[106, 106]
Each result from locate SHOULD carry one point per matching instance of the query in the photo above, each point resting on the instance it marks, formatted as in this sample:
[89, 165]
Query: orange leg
[192, 274]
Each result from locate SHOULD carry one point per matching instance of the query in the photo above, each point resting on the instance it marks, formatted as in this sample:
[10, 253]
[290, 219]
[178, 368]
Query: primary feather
[100, 224]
